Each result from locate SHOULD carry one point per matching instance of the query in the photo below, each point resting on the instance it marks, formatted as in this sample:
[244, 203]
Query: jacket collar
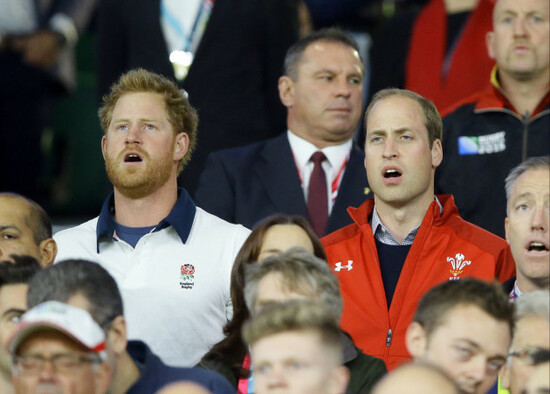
[180, 217]
[494, 98]
[440, 208]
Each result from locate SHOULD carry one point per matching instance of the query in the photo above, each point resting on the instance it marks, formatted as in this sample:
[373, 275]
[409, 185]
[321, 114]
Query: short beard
[139, 183]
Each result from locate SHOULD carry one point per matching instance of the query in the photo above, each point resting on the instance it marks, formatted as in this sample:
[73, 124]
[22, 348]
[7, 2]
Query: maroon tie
[317, 199]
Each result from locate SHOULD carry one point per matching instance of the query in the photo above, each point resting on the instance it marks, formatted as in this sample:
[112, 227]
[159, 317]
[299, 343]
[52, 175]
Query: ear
[103, 145]
[116, 337]
[504, 377]
[48, 251]
[286, 91]
[103, 378]
[181, 146]
[340, 380]
[506, 225]
[490, 43]
[437, 153]
[415, 339]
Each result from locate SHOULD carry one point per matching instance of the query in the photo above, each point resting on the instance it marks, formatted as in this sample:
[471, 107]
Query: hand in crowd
[40, 49]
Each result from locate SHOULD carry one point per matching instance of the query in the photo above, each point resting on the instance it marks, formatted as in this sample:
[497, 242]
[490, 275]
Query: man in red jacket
[405, 240]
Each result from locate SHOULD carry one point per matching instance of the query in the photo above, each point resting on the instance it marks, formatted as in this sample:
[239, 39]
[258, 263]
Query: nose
[540, 219]
[47, 373]
[276, 379]
[519, 27]
[476, 371]
[133, 136]
[343, 87]
[390, 148]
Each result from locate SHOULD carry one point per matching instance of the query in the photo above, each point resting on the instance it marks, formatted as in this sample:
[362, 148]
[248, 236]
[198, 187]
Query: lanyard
[243, 387]
[335, 182]
[199, 25]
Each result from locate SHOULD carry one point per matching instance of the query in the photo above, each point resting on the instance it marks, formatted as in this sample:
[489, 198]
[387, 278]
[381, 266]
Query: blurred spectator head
[183, 388]
[417, 378]
[463, 326]
[179, 113]
[527, 222]
[296, 347]
[59, 348]
[25, 229]
[531, 339]
[14, 280]
[89, 286]
[294, 274]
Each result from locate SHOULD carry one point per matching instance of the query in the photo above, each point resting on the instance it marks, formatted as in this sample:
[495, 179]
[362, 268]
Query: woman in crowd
[274, 234]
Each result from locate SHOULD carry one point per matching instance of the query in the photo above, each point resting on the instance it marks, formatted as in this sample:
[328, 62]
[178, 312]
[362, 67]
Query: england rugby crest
[187, 276]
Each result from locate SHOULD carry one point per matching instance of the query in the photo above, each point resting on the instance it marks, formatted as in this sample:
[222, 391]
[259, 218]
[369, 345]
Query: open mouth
[132, 158]
[536, 246]
[391, 173]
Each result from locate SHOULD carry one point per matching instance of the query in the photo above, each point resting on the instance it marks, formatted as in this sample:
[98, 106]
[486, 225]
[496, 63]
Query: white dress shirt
[334, 166]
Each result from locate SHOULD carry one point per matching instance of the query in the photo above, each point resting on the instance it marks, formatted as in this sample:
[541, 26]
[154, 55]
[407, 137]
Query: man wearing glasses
[531, 339]
[59, 348]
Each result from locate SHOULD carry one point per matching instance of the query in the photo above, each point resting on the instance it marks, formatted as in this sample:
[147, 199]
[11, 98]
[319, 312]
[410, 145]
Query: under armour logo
[338, 266]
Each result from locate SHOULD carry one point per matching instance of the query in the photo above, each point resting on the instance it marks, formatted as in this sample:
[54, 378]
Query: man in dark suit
[322, 90]
[232, 81]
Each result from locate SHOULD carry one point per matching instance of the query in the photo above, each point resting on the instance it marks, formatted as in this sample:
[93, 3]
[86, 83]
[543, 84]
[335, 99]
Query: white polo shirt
[174, 284]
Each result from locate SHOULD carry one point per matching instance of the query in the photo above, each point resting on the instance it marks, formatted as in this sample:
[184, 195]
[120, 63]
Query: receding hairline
[303, 56]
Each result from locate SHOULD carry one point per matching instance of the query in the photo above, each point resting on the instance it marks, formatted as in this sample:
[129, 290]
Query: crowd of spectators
[299, 262]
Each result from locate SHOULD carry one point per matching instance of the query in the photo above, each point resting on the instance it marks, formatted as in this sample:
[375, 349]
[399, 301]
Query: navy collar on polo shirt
[180, 217]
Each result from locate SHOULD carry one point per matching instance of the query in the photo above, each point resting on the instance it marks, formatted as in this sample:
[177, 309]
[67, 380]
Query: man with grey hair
[531, 334]
[496, 128]
[526, 224]
[297, 274]
[296, 348]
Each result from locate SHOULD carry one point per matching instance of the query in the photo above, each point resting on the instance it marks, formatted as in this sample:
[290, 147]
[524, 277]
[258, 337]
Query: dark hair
[432, 119]
[19, 270]
[181, 115]
[38, 220]
[68, 278]
[231, 350]
[441, 299]
[296, 51]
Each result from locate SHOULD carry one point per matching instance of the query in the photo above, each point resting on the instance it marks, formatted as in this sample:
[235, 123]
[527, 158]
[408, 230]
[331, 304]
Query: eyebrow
[2, 228]
[400, 130]
[523, 195]
[478, 347]
[13, 310]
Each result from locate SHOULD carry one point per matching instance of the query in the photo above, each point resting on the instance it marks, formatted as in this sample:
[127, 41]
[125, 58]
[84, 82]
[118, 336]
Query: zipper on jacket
[388, 337]
[525, 135]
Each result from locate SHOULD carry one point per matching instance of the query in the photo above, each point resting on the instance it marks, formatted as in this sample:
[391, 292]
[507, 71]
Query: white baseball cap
[74, 322]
